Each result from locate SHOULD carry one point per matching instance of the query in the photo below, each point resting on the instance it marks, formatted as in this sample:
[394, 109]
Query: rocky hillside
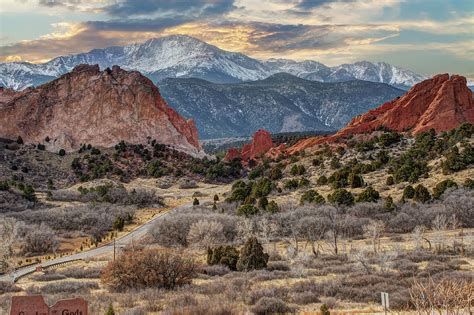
[94, 107]
[441, 103]
[281, 103]
[185, 56]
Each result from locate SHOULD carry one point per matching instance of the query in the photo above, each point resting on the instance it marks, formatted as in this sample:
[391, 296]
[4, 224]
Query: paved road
[135, 235]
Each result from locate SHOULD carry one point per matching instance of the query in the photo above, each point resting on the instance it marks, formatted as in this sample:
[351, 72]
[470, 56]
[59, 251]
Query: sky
[426, 36]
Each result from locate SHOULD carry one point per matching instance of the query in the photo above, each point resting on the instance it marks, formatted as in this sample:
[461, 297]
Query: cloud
[311, 4]
[198, 8]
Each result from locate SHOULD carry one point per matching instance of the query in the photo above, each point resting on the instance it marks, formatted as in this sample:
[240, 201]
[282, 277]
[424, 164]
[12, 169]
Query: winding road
[136, 234]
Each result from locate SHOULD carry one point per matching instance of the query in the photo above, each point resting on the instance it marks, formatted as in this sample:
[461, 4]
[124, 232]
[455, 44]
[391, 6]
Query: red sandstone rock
[97, 107]
[232, 154]
[261, 144]
[441, 103]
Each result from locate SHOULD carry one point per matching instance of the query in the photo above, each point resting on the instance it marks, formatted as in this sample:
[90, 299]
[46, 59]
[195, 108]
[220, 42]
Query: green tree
[196, 202]
[110, 311]
[341, 197]
[119, 224]
[223, 255]
[216, 198]
[252, 256]
[262, 203]
[389, 204]
[19, 140]
[29, 193]
[408, 192]
[469, 183]
[247, 210]
[441, 187]
[62, 152]
[368, 195]
[272, 207]
[276, 173]
[389, 181]
[421, 194]
[356, 180]
[324, 310]
[311, 196]
[322, 180]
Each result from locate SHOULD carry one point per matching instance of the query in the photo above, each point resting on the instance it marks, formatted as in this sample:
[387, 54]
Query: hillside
[89, 106]
[441, 103]
[280, 103]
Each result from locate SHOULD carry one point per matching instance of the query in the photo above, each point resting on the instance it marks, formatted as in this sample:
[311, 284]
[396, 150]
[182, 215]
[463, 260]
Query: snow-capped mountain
[181, 56]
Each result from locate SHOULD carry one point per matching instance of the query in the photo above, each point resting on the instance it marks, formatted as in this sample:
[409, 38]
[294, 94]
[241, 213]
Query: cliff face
[441, 103]
[261, 144]
[97, 107]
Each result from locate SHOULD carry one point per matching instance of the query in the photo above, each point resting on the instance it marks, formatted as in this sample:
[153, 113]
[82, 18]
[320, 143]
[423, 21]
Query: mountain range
[280, 103]
[181, 56]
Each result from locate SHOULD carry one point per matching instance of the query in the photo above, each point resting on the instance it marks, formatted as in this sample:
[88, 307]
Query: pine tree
[110, 311]
[252, 256]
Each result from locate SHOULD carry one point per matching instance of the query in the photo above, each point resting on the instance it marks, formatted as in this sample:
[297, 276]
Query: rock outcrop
[441, 103]
[260, 145]
[97, 107]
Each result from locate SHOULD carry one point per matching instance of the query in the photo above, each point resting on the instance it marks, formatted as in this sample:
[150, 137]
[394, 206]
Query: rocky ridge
[94, 107]
[440, 103]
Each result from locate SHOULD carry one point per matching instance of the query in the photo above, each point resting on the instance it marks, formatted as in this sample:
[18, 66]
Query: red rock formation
[441, 103]
[261, 144]
[97, 107]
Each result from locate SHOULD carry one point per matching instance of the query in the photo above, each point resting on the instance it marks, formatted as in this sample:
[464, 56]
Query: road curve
[134, 235]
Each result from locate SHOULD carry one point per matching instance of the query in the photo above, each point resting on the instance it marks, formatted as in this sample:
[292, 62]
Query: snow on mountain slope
[184, 56]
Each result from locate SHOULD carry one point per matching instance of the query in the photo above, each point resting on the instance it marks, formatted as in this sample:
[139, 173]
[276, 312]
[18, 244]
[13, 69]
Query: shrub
[223, 255]
[389, 138]
[441, 187]
[119, 224]
[408, 192]
[276, 173]
[205, 233]
[262, 203]
[341, 197]
[29, 193]
[252, 256]
[39, 240]
[297, 170]
[368, 195]
[8, 287]
[389, 181]
[272, 207]
[19, 140]
[151, 268]
[324, 310]
[339, 179]
[4, 185]
[110, 310]
[421, 194]
[271, 305]
[356, 180]
[196, 202]
[311, 196]
[247, 210]
[322, 180]
[291, 184]
[388, 203]
[469, 183]
[62, 152]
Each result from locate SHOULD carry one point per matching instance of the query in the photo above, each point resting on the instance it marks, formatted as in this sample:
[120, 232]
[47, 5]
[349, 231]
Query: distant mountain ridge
[280, 103]
[181, 56]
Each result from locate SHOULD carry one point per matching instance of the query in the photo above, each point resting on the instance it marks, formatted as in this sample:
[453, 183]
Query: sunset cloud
[330, 31]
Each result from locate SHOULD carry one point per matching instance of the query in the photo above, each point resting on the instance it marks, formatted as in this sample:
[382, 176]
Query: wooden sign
[29, 305]
[75, 306]
[35, 305]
